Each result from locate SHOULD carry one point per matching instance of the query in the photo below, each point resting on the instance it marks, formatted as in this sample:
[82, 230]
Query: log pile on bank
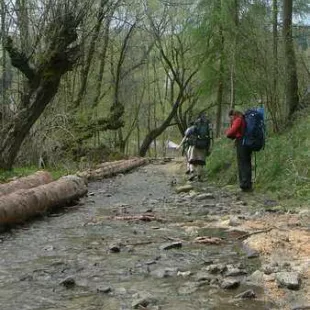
[23, 204]
[30, 181]
[30, 196]
[109, 169]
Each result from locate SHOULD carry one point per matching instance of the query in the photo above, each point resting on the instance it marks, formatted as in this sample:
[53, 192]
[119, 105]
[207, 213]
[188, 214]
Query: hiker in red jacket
[244, 154]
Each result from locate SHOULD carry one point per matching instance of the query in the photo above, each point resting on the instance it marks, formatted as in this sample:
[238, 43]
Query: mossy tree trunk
[42, 81]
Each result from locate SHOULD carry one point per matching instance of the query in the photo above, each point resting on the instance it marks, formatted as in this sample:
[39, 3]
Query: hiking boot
[187, 172]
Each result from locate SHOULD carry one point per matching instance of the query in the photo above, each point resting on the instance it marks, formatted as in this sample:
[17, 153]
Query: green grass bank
[282, 168]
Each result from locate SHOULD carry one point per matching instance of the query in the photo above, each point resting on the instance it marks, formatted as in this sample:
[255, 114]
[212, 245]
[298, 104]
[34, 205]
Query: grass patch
[282, 168]
[18, 172]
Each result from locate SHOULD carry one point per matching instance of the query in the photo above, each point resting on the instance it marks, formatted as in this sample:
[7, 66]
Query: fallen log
[112, 168]
[30, 181]
[26, 203]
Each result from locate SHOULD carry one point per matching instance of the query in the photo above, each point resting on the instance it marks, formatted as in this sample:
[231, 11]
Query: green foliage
[282, 167]
[16, 173]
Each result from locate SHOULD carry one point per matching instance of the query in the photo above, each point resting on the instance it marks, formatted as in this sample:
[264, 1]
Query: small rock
[204, 276]
[269, 269]
[249, 294]
[251, 253]
[228, 284]
[257, 277]
[142, 300]
[307, 307]
[104, 289]
[164, 272]
[291, 280]
[234, 272]
[172, 245]
[184, 189]
[216, 268]
[184, 274]
[114, 248]
[68, 282]
[205, 196]
[234, 221]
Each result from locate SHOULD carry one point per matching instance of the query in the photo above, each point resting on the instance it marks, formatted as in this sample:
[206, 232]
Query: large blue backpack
[254, 135]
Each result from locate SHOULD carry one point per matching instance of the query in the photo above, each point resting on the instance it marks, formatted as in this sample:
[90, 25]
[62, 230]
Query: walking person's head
[234, 113]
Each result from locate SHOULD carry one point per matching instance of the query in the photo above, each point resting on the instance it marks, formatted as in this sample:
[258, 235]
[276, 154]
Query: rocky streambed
[144, 240]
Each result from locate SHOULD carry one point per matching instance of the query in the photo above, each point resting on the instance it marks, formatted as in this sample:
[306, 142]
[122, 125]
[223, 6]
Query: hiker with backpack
[198, 138]
[248, 132]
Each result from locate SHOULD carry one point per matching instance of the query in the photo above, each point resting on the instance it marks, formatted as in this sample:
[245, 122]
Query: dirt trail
[149, 240]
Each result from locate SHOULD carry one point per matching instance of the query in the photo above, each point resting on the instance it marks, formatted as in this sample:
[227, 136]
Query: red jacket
[237, 128]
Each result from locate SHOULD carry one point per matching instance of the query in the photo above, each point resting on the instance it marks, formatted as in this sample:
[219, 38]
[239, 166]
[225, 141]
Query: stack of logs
[35, 194]
[109, 169]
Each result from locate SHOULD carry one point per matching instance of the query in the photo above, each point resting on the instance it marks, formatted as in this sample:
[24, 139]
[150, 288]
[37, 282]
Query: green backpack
[201, 138]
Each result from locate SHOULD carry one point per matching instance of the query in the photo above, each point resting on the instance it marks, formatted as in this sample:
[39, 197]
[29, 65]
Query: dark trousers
[244, 156]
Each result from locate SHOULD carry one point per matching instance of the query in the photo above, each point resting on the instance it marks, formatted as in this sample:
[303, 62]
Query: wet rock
[234, 272]
[68, 282]
[249, 294]
[214, 282]
[269, 269]
[234, 221]
[26, 277]
[250, 253]
[184, 189]
[307, 307]
[257, 277]
[184, 274]
[114, 248]
[104, 289]
[229, 284]
[270, 277]
[291, 280]
[204, 276]
[216, 268]
[209, 205]
[142, 300]
[188, 288]
[171, 245]
[205, 196]
[164, 272]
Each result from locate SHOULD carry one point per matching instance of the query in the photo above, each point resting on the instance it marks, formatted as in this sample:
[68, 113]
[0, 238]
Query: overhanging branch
[19, 59]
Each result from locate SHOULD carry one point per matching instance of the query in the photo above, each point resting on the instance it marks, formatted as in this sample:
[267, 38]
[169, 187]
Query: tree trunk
[291, 89]
[220, 89]
[24, 204]
[274, 107]
[30, 181]
[42, 83]
[156, 132]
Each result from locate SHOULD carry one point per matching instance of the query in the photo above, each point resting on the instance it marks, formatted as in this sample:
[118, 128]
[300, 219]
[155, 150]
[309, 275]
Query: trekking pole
[254, 167]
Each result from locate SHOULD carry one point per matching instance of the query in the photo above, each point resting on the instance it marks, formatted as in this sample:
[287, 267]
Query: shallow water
[75, 242]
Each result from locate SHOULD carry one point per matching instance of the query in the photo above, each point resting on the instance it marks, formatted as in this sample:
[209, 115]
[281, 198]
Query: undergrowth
[282, 168]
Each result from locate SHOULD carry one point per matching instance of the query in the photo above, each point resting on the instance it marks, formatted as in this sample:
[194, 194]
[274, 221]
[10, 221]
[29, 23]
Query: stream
[129, 244]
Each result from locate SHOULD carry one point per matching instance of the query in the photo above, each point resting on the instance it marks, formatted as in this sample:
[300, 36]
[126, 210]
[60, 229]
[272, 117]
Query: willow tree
[53, 53]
